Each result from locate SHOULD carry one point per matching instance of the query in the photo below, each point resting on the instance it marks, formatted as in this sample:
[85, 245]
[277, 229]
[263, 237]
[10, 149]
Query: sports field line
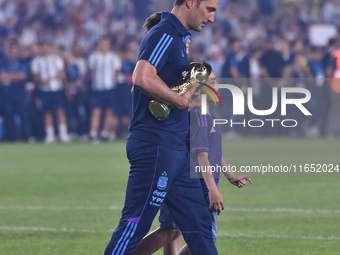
[281, 236]
[70, 230]
[232, 209]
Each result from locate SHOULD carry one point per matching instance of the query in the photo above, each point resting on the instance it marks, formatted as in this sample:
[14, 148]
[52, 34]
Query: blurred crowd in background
[66, 65]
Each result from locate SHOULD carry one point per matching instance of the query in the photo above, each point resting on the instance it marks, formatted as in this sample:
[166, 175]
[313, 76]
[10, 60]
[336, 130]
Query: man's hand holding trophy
[195, 72]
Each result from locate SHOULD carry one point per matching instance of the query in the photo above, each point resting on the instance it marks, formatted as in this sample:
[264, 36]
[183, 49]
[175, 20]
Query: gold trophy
[195, 72]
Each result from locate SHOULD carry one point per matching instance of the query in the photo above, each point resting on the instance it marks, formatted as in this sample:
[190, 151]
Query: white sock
[112, 135]
[93, 133]
[63, 130]
[49, 131]
[104, 134]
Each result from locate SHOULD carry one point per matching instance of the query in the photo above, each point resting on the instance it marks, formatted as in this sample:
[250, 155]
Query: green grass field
[66, 199]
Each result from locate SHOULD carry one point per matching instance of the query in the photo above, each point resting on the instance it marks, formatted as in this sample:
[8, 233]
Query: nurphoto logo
[239, 105]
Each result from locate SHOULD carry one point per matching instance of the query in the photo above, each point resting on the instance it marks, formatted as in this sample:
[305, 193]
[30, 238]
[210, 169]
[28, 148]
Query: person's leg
[337, 117]
[161, 237]
[331, 123]
[152, 170]
[110, 121]
[9, 115]
[96, 105]
[186, 203]
[167, 235]
[175, 246]
[185, 250]
[95, 121]
[59, 104]
[48, 120]
[174, 235]
[46, 99]
[81, 114]
[61, 116]
[62, 124]
[110, 125]
[22, 108]
[71, 114]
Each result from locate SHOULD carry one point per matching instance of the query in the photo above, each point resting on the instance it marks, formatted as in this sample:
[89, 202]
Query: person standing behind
[105, 66]
[13, 77]
[327, 60]
[333, 123]
[301, 71]
[76, 70]
[230, 67]
[82, 90]
[34, 107]
[1, 112]
[216, 59]
[48, 72]
[125, 85]
[319, 90]
[230, 70]
[272, 67]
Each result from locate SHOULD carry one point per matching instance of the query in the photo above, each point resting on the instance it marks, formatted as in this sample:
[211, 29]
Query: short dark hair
[105, 38]
[181, 2]
[12, 42]
[45, 42]
[152, 21]
[233, 40]
[315, 49]
[332, 42]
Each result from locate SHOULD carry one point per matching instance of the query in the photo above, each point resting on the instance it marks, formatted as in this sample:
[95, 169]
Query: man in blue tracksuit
[13, 77]
[156, 150]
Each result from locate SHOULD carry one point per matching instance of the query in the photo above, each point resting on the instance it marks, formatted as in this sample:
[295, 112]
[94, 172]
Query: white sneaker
[104, 135]
[31, 140]
[112, 136]
[50, 139]
[313, 132]
[94, 140]
[84, 138]
[65, 138]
